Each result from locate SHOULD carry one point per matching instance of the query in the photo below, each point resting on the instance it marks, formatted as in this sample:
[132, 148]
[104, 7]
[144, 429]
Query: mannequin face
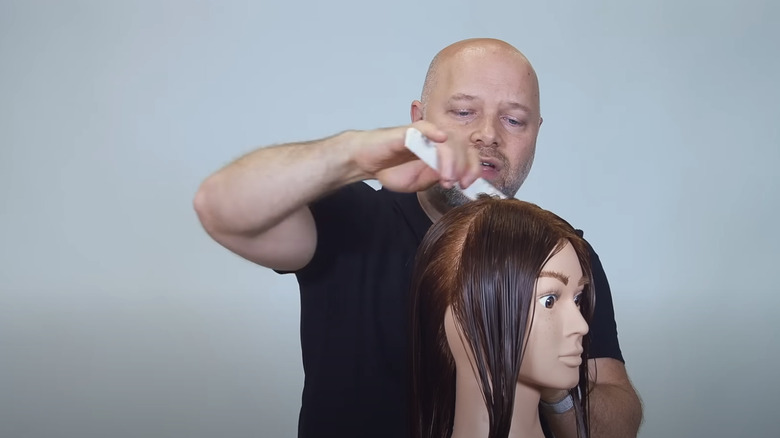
[553, 352]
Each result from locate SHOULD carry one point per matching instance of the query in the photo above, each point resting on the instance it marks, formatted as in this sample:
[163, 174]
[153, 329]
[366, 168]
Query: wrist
[346, 145]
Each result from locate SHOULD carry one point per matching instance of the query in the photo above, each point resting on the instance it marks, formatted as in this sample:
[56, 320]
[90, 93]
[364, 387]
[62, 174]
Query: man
[302, 208]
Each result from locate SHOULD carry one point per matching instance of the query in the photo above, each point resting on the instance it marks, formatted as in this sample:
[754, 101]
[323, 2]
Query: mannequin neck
[471, 416]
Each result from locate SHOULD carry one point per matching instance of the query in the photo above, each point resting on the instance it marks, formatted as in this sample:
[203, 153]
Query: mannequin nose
[577, 324]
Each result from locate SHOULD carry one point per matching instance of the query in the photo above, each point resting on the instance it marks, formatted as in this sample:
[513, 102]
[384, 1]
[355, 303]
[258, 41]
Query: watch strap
[560, 406]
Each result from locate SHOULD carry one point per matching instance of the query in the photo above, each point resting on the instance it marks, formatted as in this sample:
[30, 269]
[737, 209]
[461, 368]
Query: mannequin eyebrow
[561, 277]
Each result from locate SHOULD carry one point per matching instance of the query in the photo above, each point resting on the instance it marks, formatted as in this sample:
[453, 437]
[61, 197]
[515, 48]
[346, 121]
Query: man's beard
[447, 199]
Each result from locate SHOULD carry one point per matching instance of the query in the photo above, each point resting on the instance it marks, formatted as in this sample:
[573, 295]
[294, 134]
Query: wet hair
[483, 259]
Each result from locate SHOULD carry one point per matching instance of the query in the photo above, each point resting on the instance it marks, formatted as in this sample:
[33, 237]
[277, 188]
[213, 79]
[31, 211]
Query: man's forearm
[614, 412]
[261, 188]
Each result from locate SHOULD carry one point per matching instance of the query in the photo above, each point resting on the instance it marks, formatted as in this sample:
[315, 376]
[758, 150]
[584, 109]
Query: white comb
[426, 151]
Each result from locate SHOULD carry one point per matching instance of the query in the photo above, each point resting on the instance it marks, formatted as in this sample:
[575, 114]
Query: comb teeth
[426, 151]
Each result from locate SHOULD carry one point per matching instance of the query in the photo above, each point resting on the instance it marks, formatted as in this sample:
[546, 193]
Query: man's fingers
[411, 176]
[458, 163]
[433, 133]
[447, 165]
[473, 168]
[464, 159]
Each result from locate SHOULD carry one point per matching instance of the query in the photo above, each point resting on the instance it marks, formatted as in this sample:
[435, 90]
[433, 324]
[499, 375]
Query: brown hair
[483, 259]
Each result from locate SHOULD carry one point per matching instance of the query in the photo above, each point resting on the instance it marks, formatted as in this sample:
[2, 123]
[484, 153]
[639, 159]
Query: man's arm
[615, 410]
[257, 205]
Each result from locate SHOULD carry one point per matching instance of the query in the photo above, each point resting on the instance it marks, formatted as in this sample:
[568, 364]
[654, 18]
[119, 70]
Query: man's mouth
[490, 169]
[490, 164]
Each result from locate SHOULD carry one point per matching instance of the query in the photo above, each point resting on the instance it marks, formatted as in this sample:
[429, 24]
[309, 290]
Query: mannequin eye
[578, 299]
[548, 301]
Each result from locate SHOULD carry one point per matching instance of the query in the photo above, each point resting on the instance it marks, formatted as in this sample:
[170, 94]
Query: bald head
[484, 93]
[474, 51]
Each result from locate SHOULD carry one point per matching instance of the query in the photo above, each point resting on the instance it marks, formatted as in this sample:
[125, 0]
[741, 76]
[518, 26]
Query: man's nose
[485, 132]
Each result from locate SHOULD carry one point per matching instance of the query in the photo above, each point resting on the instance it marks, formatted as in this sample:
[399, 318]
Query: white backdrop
[119, 317]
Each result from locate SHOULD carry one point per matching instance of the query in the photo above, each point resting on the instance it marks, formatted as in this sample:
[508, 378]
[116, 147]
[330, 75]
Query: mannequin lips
[571, 360]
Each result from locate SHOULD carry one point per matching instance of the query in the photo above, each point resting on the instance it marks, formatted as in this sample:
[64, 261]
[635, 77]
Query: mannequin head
[501, 295]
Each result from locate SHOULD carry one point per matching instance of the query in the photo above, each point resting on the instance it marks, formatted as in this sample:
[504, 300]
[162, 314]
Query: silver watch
[560, 406]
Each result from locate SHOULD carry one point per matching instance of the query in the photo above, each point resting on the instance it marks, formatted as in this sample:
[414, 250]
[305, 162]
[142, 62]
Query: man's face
[489, 100]
[554, 347]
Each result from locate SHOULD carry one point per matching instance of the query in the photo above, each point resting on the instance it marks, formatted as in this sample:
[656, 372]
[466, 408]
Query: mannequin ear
[417, 111]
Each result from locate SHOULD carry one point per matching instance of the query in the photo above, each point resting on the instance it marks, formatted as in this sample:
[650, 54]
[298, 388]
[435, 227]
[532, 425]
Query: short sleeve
[341, 218]
[603, 328]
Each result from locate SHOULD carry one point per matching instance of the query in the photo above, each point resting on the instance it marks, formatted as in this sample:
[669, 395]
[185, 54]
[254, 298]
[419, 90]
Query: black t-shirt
[354, 296]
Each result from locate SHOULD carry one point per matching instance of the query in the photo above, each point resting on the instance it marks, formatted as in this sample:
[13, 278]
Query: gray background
[120, 318]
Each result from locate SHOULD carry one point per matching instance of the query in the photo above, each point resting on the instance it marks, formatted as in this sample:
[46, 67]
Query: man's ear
[417, 111]
[541, 119]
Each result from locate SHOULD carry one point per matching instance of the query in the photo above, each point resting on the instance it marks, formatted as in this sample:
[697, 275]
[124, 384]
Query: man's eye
[515, 122]
[462, 113]
[578, 299]
[548, 301]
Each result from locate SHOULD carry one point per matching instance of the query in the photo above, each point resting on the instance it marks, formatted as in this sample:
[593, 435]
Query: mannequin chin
[500, 303]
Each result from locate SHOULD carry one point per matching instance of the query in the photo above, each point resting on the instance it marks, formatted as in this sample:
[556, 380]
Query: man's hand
[614, 406]
[382, 154]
